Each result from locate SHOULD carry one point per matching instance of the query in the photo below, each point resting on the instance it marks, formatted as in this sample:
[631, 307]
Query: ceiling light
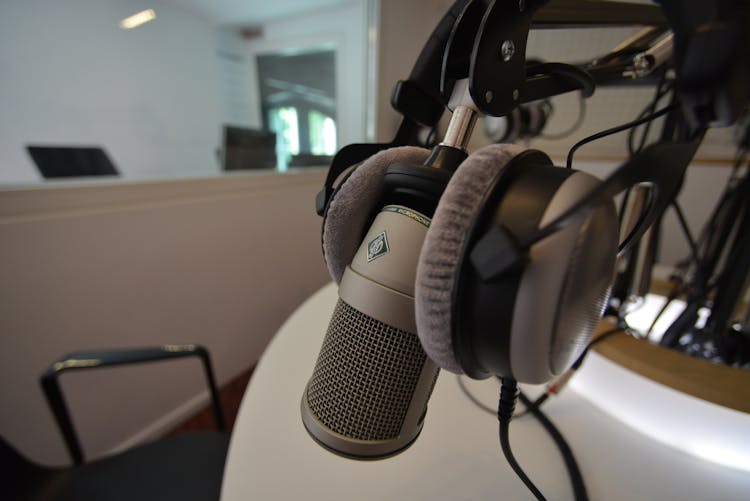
[138, 19]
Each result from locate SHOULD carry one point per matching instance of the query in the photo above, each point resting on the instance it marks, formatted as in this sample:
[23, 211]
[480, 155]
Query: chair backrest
[92, 360]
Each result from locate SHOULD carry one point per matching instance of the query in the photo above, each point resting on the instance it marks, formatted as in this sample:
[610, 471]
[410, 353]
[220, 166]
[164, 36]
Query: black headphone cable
[505, 408]
[509, 392]
[576, 479]
[615, 130]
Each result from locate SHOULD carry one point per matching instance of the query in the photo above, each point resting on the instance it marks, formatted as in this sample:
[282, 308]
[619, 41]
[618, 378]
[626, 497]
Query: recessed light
[138, 19]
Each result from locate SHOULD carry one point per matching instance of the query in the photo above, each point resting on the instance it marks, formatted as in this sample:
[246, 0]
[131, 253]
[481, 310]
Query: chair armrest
[84, 360]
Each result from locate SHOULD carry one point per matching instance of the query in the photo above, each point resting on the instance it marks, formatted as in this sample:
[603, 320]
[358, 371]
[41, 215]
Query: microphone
[367, 397]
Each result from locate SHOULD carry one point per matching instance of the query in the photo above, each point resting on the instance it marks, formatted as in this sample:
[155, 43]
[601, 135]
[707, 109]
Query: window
[284, 122]
[322, 133]
[298, 101]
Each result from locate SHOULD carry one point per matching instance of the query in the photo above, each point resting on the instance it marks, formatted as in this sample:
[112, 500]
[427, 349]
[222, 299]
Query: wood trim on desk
[715, 383]
[661, 287]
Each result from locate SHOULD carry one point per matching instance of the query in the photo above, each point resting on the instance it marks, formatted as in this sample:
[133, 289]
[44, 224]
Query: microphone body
[368, 393]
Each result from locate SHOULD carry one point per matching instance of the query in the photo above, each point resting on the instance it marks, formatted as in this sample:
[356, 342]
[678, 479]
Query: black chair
[184, 467]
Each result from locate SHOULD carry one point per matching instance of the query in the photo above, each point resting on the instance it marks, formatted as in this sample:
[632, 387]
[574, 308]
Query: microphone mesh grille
[365, 376]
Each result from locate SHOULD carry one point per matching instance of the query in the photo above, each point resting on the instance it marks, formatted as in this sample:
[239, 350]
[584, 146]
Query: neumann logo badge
[377, 247]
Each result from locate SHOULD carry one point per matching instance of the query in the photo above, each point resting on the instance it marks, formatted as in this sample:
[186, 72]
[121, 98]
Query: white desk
[457, 456]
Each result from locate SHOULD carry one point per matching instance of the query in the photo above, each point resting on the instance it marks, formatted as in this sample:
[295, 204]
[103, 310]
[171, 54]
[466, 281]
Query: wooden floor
[230, 395]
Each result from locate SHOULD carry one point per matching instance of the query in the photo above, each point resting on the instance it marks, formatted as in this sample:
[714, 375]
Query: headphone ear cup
[353, 203]
[564, 287]
[531, 322]
[439, 260]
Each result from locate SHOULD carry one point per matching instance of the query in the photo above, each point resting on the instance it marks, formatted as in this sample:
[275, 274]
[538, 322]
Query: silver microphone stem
[460, 128]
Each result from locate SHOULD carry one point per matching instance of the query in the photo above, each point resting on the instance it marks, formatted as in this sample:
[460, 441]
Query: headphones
[529, 323]
[516, 265]
[525, 122]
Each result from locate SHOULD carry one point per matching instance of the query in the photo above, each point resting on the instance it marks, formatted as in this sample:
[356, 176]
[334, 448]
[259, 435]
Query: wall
[220, 262]
[239, 103]
[609, 106]
[702, 188]
[404, 28]
[151, 96]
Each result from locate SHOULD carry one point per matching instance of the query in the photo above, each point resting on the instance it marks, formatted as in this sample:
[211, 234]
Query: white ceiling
[254, 11]
[257, 11]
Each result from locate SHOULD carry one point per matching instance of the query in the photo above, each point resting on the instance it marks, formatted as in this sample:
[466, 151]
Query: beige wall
[404, 27]
[220, 262]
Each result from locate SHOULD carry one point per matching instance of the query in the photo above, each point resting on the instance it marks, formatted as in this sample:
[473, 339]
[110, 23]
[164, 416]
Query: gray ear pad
[353, 203]
[439, 258]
